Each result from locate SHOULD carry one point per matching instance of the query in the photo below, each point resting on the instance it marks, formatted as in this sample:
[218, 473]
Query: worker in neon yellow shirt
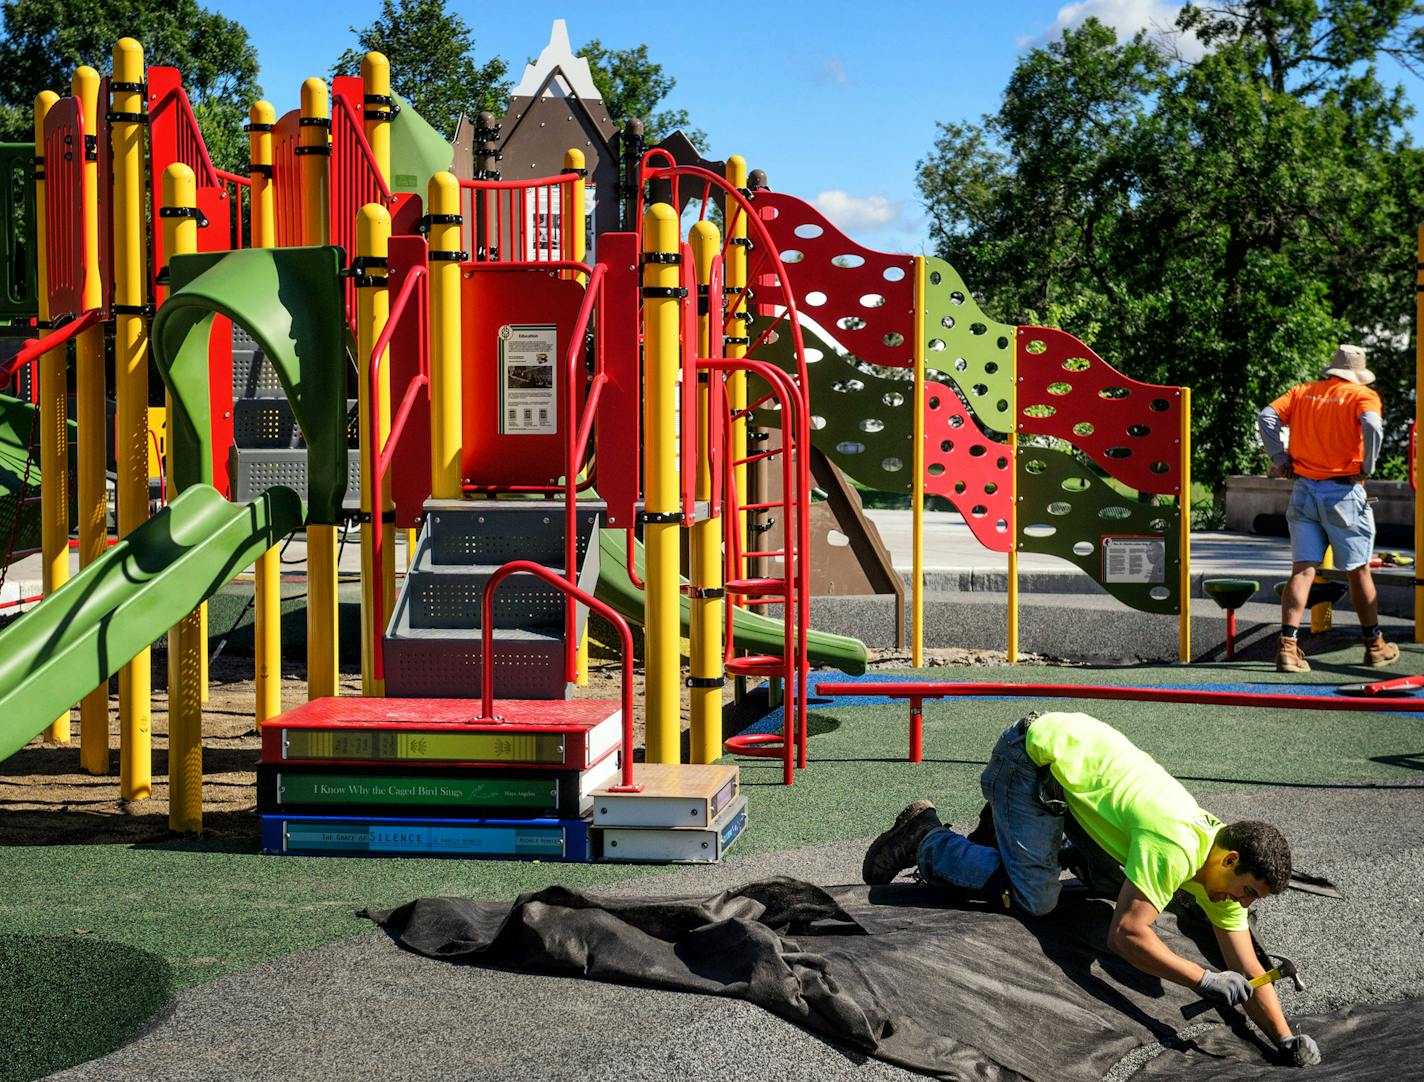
[1126, 815]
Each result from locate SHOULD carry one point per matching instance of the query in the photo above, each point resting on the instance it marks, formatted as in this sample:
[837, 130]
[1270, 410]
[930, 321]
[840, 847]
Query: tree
[45, 40]
[433, 64]
[1221, 224]
[633, 86]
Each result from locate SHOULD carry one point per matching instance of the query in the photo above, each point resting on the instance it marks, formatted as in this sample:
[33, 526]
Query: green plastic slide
[96, 622]
[750, 631]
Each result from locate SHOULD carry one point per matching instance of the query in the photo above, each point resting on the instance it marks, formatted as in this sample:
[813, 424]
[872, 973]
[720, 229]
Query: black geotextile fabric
[953, 989]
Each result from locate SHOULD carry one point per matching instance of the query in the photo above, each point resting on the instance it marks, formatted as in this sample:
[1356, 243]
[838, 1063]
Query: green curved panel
[290, 300]
[418, 151]
[1092, 523]
[866, 421]
[966, 347]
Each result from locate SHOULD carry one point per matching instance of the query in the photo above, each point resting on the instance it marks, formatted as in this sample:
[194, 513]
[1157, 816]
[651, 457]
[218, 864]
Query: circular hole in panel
[1118, 452]
[891, 465]
[1160, 467]
[792, 255]
[1114, 513]
[850, 323]
[817, 422]
[893, 398]
[978, 510]
[990, 488]
[1036, 466]
[1060, 388]
[1158, 525]
[1082, 548]
[770, 214]
[772, 337]
[959, 487]
[848, 260]
[1114, 392]
[977, 450]
[1035, 345]
[991, 368]
[872, 300]
[934, 403]
[947, 322]
[1003, 463]
[895, 274]
[1139, 431]
[937, 344]
[893, 338]
[1039, 410]
[812, 354]
[978, 328]
[936, 469]
[1159, 593]
[961, 365]
[946, 447]
[1060, 507]
[956, 421]
[850, 447]
[872, 424]
[1002, 343]
[935, 277]
[1002, 405]
[1002, 526]
[1083, 428]
[809, 231]
[1040, 529]
[815, 298]
[1075, 484]
[1077, 364]
[1159, 405]
[847, 386]
[956, 297]
[979, 390]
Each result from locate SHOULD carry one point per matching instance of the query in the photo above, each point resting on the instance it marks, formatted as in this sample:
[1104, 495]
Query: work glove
[1300, 1050]
[1228, 986]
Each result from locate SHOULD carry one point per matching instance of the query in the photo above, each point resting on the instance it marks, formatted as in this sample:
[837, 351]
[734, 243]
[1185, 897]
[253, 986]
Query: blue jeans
[1334, 513]
[1029, 832]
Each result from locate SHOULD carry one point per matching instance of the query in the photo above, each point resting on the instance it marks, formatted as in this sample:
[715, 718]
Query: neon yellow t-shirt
[1139, 814]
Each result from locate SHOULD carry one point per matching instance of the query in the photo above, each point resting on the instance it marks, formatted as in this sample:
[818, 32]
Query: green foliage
[43, 42]
[633, 86]
[433, 63]
[1221, 224]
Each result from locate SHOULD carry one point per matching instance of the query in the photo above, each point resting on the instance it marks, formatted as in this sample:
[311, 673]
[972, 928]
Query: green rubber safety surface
[965, 347]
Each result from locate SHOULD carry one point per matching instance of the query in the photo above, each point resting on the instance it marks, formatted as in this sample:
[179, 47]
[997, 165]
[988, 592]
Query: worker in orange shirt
[1336, 430]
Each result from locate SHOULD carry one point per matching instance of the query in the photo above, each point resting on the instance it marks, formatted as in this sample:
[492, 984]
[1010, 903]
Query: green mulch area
[135, 924]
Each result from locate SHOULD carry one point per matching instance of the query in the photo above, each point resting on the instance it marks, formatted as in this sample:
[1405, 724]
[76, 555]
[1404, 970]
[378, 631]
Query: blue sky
[836, 100]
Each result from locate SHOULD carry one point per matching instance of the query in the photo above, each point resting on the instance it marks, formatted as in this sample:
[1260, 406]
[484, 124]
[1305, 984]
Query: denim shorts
[1333, 513]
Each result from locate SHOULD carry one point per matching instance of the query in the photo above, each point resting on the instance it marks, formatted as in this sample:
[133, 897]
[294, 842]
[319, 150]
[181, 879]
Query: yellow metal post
[91, 424]
[445, 389]
[322, 645]
[373, 236]
[661, 362]
[1418, 477]
[705, 625]
[917, 499]
[267, 605]
[131, 389]
[574, 162]
[734, 274]
[1184, 583]
[54, 432]
[186, 643]
[1013, 584]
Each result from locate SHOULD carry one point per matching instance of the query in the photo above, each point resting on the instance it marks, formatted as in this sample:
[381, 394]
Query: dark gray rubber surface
[363, 1009]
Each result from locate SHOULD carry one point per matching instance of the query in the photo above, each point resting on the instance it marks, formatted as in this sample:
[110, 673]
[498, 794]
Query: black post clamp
[127, 88]
[365, 518]
[184, 212]
[450, 256]
[660, 518]
[743, 242]
[706, 593]
[126, 118]
[427, 220]
[91, 148]
[664, 292]
[736, 340]
[319, 151]
[674, 258]
[580, 171]
[314, 121]
[258, 127]
[706, 681]
[261, 170]
[131, 309]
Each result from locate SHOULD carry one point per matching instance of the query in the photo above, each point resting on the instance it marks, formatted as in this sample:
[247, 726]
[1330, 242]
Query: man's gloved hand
[1300, 1050]
[1228, 986]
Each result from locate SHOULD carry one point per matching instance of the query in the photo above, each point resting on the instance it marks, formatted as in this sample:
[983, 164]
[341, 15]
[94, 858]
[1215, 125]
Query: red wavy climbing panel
[972, 471]
[1131, 429]
[863, 298]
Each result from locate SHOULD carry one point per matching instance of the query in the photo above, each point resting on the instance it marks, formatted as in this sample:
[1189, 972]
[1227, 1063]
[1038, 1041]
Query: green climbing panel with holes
[965, 347]
[1131, 548]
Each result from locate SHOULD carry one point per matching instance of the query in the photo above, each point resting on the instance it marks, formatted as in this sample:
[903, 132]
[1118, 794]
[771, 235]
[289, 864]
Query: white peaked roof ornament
[558, 54]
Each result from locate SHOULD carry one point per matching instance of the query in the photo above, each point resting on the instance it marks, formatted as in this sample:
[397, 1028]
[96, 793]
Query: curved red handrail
[36, 348]
[528, 567]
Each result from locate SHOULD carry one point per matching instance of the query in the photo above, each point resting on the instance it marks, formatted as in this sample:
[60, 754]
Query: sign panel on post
[528, 379]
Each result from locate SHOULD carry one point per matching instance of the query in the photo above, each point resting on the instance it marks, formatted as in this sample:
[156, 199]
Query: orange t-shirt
[1324, 421]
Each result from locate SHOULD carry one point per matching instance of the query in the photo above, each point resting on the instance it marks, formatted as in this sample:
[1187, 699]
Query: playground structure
[509, 397]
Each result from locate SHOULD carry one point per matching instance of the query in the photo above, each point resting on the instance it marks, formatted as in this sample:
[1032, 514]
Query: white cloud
[1127, 17]
[853, 212]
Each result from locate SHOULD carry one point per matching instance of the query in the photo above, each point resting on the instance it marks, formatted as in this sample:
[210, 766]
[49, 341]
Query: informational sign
[528, 379]
[1134, 559]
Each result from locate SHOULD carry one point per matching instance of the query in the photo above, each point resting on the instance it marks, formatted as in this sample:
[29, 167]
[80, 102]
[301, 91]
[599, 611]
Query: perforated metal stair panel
[450, 597]
[252, 375]
[443, 664]
[268, 423]
[495, 532]
[256, 469]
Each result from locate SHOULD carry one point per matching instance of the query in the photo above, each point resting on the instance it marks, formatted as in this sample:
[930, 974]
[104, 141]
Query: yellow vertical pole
[1418, 478]
[54, 431]
[574, 162]
[322, 602]
[267, 605]
[380, 105]
[734, 274]
[661, 598]
[1184, 583]
[1013, 584]
[91, 424]
[445, 388]
[373, 236]
[131, 389]
[705, 626]
[186, 642]
[917, 498]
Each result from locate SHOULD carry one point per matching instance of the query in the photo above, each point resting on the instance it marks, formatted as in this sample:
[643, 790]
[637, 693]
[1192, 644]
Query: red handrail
[528, 567]
[383, 451]
[36, 348]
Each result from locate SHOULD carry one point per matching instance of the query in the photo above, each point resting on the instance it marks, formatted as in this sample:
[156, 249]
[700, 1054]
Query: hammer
[1284, 968]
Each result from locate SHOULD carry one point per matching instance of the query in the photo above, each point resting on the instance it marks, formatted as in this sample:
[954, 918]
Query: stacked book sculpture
[682, 814]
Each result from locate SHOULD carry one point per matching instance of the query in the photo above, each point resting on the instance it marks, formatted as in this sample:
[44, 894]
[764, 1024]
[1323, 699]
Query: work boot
[1289, 657]
[899, 847]
[1379, 653]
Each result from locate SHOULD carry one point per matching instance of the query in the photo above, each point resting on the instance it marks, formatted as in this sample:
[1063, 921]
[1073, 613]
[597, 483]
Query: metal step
[253, 470]
[269, 423]
[443, 596]
[493, 532]
[439, 664]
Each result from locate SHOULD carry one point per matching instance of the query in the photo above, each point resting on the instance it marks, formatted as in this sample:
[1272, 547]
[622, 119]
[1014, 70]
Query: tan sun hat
[1349, 363]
